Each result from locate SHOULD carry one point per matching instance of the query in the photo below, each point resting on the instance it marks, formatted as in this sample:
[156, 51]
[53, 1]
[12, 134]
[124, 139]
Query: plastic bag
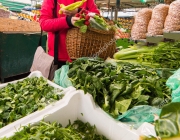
[140, 114]
[61, 78]
[174, 84]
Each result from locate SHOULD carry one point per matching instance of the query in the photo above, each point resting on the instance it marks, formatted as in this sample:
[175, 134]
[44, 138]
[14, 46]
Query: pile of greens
[168, 125]
[118, 88]
[54, 131]
[25, 97]
[164, 55]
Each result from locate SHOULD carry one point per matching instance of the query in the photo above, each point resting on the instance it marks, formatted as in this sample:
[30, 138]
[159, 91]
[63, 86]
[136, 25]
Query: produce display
[156, 24]
[126, 23]
[120, 31]
[151, 22]
[30, 16]
[136, 76]
[54, 131]
[20, 99]
[164, 55]
[117, 87]
[123, 27]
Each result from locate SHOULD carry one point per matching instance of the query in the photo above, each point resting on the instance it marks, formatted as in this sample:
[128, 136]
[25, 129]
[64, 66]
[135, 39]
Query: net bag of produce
[158, 18]
[139, 28]
[172, 22]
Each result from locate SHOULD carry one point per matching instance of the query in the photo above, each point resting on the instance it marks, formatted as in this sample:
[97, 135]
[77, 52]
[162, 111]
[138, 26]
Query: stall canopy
[123, 8]
[15, 5]
[124, 4]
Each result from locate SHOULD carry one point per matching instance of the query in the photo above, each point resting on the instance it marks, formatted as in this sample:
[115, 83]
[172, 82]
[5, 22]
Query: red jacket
[50, 24]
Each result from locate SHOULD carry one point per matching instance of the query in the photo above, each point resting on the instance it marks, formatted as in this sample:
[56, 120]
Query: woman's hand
[69, 13]
[74, 19]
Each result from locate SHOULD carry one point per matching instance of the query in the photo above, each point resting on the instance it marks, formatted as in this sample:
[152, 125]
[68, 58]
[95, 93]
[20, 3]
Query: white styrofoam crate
[78, 105]
[17, 123]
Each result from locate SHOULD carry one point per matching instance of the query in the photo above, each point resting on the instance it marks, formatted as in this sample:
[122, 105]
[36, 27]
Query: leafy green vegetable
[101, 22]
[79, 22]
[25, 97]
[117, 88]
[164, 55]
[54, 131]
[83, 29]
[168, 125]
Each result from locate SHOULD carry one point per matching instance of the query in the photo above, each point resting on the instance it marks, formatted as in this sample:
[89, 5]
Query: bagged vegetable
[172, 22]
[139, 28]
[61, 78]
[156, 23]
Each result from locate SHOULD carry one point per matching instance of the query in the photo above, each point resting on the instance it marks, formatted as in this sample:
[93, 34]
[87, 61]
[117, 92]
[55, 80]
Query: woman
[64, 22]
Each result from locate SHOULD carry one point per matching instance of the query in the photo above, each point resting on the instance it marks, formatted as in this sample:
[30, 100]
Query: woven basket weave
[90, 44]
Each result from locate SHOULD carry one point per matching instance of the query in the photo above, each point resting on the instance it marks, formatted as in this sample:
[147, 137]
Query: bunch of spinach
[24, 97]
[118, 88]
[54, 131]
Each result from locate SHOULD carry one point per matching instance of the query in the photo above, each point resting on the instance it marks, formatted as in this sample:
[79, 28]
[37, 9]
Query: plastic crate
[78, 105]
[23, 120]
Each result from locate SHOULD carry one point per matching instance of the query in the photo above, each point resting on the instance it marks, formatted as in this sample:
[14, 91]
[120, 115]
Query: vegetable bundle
[25, 97]
[54, 131]
[118, 88]
[91, 20]
[164, 55]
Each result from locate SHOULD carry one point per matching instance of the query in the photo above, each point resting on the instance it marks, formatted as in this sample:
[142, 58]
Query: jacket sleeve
[92, 6]
[47, 21]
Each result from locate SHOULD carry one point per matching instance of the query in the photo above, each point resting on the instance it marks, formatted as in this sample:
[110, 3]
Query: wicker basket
[90, 44]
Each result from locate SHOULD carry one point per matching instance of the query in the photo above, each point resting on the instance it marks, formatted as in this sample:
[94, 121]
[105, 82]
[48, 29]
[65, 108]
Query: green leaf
[123, 105]
[79, 23]
[83, 29]
[168, 124]
[1, 109]
[137, 92]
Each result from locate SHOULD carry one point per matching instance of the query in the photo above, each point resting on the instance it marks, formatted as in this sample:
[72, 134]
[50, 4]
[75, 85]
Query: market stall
[18, 42]
[123, 82]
